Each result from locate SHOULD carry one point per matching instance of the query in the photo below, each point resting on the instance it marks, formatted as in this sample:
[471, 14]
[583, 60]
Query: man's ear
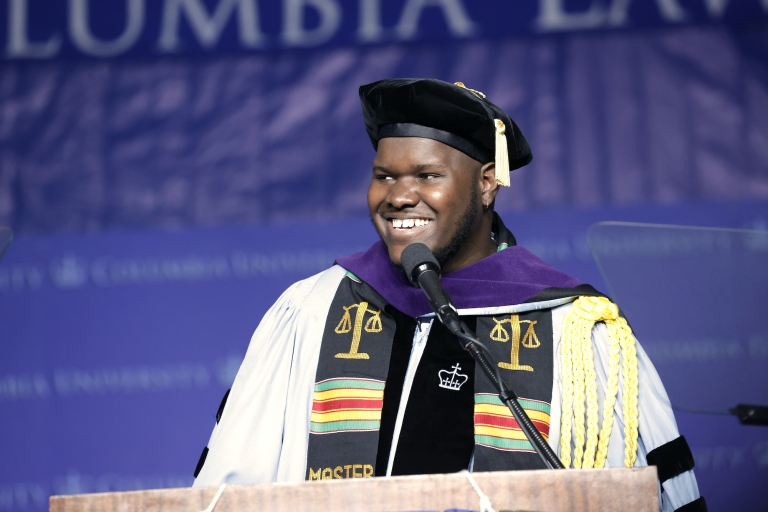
[489, 186]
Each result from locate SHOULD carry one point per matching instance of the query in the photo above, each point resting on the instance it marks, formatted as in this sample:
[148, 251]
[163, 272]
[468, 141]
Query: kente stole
[352, 376]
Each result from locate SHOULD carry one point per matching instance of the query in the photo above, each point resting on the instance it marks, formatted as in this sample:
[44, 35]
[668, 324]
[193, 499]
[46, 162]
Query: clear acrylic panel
[697, 299]
[6, 237]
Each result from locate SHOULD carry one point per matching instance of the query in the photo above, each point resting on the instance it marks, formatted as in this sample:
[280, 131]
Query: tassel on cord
[502, 154]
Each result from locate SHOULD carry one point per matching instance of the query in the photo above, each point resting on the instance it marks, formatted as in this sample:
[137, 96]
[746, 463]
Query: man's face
[425, 191]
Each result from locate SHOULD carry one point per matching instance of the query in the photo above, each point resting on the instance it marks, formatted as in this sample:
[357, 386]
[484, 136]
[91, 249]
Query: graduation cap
[449, 113]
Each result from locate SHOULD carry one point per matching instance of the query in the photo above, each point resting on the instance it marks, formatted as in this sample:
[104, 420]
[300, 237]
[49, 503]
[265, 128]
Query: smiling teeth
[409, 223]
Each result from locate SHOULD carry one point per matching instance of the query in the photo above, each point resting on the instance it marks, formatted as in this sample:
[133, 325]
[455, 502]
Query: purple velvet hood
[508, 277]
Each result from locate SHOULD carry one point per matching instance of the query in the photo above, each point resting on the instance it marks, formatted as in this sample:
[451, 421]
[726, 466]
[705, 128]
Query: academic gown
[263, 433]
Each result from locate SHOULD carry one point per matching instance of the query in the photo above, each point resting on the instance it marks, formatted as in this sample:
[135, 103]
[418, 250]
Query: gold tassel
[502, 155]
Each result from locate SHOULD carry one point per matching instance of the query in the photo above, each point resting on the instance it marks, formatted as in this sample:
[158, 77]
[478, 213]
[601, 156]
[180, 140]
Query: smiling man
[350, 376]
[425, 191]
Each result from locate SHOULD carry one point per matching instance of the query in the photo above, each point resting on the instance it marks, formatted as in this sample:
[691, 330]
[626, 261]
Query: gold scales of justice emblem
[345, 325]
[530, 340]
[373, 325]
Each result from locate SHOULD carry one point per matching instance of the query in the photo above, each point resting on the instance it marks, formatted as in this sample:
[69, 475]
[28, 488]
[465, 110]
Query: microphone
[423, 270]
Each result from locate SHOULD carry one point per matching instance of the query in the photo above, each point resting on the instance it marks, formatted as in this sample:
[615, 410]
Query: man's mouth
[405, 224]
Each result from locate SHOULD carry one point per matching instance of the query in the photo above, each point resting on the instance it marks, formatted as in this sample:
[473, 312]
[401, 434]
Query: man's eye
[382, 177]
[428, 177]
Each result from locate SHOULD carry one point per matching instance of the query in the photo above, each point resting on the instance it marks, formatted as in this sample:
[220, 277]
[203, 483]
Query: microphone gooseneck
[423, 270]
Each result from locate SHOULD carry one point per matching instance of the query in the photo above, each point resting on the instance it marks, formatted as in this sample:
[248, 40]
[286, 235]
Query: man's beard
[464, 230]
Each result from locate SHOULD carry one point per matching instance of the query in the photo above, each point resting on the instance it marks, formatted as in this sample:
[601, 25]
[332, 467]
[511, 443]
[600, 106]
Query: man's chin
[395, 251]
[395, 254]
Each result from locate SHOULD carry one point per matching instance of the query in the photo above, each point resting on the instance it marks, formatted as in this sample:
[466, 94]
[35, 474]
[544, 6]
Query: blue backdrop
[170, 167]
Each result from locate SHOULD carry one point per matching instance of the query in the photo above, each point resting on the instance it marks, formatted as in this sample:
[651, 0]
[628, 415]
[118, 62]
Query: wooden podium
[550, 491]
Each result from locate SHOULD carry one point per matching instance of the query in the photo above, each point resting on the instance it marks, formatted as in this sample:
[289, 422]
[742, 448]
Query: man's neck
[479, 245]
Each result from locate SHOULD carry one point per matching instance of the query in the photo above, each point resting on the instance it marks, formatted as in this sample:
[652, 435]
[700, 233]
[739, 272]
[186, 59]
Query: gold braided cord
[590, 387]
[629, 402]
[611, 390]
[579, 397]
[579, 385]
[566, 378]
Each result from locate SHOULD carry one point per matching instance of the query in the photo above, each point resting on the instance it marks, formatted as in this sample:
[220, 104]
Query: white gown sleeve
[271, 397]
[657, 421]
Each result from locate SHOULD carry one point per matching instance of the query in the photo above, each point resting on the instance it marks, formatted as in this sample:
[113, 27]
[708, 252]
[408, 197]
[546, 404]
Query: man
[350, 376]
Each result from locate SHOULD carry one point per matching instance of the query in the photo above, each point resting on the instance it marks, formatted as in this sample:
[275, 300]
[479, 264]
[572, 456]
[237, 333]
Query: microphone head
[416, 258]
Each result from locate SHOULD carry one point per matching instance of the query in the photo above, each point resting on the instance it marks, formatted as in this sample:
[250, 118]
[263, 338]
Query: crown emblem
[452, 380]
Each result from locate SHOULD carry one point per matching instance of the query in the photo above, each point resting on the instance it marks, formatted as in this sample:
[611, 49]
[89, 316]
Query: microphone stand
[470, 343]
[423, 270]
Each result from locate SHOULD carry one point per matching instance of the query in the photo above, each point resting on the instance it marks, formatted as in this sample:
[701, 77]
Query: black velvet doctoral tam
[449, 113]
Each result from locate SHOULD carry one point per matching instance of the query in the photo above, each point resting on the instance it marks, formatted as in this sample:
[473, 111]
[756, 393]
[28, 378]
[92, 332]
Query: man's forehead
[420, 152]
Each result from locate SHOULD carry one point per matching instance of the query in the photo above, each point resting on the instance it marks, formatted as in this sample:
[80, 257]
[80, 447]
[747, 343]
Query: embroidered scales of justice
[452, 380]
[529, 340]
[345, 325]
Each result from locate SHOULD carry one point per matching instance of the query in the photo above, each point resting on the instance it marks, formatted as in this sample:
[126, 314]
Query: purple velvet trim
[508, 277]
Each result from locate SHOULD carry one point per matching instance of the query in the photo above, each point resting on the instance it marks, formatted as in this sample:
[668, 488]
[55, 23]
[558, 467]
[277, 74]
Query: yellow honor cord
[502, 154]
[579, 385]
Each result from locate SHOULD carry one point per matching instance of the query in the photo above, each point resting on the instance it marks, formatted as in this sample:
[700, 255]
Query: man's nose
[403, 194]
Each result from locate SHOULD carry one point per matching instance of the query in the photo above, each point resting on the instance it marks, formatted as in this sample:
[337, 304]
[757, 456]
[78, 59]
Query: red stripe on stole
[507, 422]
[347, 403]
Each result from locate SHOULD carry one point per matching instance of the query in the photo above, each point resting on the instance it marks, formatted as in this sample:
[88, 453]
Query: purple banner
[46, 29]
[613, 119]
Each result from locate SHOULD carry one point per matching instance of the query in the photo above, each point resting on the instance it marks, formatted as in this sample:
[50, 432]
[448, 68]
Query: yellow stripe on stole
[331, 394]
[502, 410]
[345, 415]
[504, 433]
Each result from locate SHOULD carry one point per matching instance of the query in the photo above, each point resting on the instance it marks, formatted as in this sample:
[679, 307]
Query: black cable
[508, 397]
